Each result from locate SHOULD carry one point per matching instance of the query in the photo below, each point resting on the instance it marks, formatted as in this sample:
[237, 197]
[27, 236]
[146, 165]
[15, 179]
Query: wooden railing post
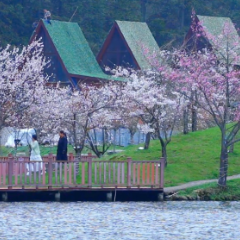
[70, 157]
[89, 170]
[162, 167]
[10, 170]
[129, 163]
[50, 170]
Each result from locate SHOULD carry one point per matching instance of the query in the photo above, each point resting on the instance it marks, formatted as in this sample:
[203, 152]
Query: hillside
[191, 157]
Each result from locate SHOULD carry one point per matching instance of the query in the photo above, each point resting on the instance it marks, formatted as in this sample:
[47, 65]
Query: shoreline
[207, 192]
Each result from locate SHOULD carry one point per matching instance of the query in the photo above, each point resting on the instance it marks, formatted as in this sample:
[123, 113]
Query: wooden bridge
[18, 174]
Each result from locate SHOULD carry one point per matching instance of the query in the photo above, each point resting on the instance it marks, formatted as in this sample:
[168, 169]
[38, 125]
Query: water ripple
[127, 221]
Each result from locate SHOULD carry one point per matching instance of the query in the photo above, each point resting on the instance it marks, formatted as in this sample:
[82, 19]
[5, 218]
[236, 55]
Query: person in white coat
[35, 156]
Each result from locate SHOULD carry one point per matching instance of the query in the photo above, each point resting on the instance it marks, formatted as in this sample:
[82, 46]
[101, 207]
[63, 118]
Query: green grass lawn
[45, 150]
[214, 193]
[190, 157]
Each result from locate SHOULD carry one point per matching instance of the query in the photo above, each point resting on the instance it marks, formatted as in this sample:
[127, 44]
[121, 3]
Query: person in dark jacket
[62, 147]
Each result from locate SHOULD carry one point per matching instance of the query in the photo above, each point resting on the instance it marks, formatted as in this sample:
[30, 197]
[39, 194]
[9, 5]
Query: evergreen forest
[169, 20]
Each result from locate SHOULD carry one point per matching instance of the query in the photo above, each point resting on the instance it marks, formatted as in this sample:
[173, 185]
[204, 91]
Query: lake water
[130, 220]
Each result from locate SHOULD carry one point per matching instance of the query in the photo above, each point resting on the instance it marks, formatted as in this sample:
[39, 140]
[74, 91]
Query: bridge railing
[71, 157]
[87, 173]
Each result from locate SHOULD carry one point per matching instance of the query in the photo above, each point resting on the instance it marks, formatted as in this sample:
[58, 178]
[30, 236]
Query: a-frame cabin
[215, 33]
[71, 58]
[128, 44]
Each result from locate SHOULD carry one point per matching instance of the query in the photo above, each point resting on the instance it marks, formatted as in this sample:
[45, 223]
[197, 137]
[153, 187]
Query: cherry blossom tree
[131, 123]
[149, 97]
[213, 74]
[80, 113]
[48, 113]
[99, 138]
[21, 75]
[90, 109]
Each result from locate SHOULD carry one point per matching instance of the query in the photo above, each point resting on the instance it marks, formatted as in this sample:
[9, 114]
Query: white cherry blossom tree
[150, 97]
[21, 75]
[90, 109]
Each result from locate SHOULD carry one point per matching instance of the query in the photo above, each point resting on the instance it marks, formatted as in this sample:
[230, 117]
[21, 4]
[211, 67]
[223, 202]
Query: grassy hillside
[190, 157]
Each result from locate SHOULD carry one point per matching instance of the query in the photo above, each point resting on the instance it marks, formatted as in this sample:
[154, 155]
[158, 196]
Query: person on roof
[47, 16]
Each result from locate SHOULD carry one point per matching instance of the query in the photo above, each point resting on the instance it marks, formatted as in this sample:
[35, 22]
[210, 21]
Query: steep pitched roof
[227, 38]
[215, 25]
[74, 49]
[137, 36]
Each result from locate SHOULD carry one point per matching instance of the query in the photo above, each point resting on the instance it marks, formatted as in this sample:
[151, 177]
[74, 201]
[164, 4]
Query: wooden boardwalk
[89, 174]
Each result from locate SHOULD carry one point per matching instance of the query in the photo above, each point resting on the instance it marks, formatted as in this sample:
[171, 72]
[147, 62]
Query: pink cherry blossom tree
[213, 74]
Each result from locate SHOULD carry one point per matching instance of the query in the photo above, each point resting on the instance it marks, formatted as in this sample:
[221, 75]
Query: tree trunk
[114, 136]
[194, 119]
[194, 111]
[164, 153]
[185, 121]
[0, 143]
[132, 138]
[74, 129]
[222, 180]
[78, 156]
[119, 137]
[182, 13]
[78, 153]
[40, 9]
[102, 149]
[147, 140]
[132, 131]
[143, 10]
[59, 8]
[15, 148]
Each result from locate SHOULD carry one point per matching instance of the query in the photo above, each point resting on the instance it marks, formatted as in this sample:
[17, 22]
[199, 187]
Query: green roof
[139, 36]
[74, 49]
[225, 33]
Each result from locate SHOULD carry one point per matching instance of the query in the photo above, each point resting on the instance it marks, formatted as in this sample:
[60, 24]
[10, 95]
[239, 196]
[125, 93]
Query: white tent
[23, 135]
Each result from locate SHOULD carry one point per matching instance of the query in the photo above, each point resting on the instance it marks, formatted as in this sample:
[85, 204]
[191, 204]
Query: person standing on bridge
[62, 147]
[35, 156]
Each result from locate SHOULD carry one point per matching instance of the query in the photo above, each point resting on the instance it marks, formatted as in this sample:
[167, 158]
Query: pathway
[195, 183]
